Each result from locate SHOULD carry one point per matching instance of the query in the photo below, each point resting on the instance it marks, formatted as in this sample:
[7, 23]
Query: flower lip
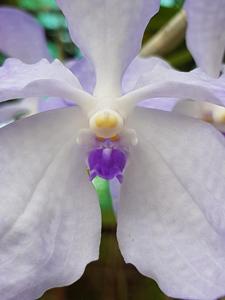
[107, 162]
[106, 123]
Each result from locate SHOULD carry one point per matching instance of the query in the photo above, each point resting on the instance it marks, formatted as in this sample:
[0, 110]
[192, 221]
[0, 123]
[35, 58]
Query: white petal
[166, 104]
[84, 71]
[114, 30]
[53, 103]
[50, 217]
[140, 67]
[169, 83]
[173, 192]
[206, 33]
[19, 80]
[21, 36]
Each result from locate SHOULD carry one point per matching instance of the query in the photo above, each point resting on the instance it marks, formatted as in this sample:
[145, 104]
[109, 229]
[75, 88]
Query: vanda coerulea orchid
[170, 216]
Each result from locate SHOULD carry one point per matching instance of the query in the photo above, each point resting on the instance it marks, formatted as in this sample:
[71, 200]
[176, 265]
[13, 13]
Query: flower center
[106, 123]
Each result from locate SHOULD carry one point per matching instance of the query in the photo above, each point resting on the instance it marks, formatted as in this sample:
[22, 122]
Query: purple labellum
[107, 163]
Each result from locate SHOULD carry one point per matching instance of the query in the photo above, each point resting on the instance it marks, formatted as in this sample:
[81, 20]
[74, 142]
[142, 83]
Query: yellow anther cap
[106, 123]
[106, 120]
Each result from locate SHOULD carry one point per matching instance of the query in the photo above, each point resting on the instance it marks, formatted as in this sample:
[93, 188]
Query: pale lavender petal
[21, 36]
[206, 33]
[50, 103]
[164, 82]
[50, 217]
[166, 104]
[138, 68]
[143, 67]
[84, 71]
[19, 80]
[109, 33]
[172, 200]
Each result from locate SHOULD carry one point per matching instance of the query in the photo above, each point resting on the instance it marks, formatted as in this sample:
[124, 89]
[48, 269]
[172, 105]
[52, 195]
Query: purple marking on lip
[107, 163]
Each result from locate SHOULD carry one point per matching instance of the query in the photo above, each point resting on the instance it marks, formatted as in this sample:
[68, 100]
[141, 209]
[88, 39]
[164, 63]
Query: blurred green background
[109, 278]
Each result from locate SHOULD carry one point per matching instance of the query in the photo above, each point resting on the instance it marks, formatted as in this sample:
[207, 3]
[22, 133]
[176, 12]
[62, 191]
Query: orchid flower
[206, 41]
[171, 211]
